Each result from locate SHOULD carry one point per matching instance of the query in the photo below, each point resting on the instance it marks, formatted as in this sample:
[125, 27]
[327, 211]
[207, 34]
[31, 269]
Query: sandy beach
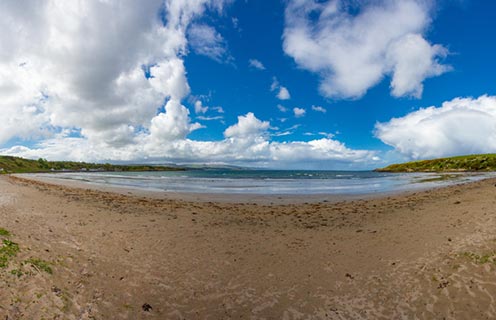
[95, 254]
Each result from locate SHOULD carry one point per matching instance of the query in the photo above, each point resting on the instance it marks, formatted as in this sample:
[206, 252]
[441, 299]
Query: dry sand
[426, 255]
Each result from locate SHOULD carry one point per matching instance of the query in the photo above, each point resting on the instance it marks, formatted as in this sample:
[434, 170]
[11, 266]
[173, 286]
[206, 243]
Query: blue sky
[279, 84]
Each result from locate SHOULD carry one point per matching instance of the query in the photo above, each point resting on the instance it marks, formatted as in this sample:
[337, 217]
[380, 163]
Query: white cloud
[199, 108]
[282, 92]
[256, 64]
[104, 81]
[299, 112]
[172, 125]
[206, 41]
[235, 22]
[327, 134]
[71, 70]
[460, 126]
[218, 109]
[282, 133]
[319, 109]
[282, 108]
[248, 126]
[354, 52]
[413, 60]
[286, 131]
[321, 133]
[246, 143]
[275, 84]
[204, 118]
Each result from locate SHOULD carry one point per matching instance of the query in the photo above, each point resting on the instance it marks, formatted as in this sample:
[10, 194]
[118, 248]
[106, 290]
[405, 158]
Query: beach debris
[457, 202]
[349, 276]
[146, 307]
[443, 284]
[57, 291]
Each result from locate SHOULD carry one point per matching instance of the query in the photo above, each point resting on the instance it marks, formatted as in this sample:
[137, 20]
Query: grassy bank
[480, 162]
[10, 164]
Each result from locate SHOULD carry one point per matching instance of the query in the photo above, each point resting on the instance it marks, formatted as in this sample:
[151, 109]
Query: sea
[270, 182]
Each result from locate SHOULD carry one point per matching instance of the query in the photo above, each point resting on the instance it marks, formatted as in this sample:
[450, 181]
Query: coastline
[236, 198]
[233, 198]
[412, 254]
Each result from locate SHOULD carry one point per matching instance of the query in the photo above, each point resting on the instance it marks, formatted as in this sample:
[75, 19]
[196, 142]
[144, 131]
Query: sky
[290, 84]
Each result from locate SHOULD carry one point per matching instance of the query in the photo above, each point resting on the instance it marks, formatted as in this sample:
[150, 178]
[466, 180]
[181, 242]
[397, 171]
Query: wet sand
[424, 255]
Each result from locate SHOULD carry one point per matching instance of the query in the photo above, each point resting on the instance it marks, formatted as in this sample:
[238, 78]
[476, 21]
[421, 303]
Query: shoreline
[238, 198]
[426, 254]
[232, 198]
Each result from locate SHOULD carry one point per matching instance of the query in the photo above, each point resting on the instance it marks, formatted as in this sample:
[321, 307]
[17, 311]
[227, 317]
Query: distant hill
[10, 164]
[479, 162]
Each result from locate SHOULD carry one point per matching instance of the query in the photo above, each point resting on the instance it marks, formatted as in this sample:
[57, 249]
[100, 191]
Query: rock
[146, 307]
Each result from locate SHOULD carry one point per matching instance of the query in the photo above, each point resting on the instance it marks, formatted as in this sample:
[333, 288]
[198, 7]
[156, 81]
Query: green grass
[469, 163]
[16, 272]
[10, 164]
[4, 233]
[40, 264]
[8, 250]
[480, 258]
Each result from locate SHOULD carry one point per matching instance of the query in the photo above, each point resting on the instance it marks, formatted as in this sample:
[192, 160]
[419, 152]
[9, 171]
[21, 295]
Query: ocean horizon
[270, 182]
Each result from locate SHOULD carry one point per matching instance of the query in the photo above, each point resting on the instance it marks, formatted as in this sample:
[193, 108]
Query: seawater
[271, 182]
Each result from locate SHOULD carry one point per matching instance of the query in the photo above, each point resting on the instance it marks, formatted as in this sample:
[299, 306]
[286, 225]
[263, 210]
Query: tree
[43, 163]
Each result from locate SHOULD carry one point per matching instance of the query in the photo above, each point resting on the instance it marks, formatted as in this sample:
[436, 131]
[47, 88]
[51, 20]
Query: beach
[118, 254]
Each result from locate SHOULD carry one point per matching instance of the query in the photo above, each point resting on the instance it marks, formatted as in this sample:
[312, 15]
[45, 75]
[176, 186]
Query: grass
[480, 258]
[4, 233]
[9, 164]
[8, 250]
[40, 264]
[469, 163]
[16, 272]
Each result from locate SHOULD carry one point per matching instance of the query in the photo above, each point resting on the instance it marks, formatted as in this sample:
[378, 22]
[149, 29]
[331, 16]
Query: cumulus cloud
[174, 124]
[105, 80]
[283, 94]
[413, 60]
[299, 112]
[457, 127]
[247, 143]
[248, 126]
[353, 52]
[71, 66]
[254, 63]
[206, 41]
